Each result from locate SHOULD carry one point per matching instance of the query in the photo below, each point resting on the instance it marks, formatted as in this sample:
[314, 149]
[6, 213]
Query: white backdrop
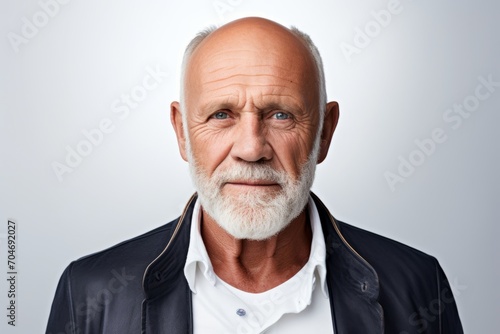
[415, 156]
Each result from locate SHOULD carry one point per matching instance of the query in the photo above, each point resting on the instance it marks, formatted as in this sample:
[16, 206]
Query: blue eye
[281, 115]
[220, 115]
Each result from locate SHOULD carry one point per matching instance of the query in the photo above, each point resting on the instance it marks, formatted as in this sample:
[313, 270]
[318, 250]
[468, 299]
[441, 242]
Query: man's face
[251, 119]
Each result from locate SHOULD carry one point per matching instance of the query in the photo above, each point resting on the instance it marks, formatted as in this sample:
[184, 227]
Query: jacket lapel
[352, 282]
[167, 307]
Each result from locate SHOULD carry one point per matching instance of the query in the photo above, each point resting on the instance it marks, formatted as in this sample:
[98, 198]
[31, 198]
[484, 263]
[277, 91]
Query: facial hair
[254, 214]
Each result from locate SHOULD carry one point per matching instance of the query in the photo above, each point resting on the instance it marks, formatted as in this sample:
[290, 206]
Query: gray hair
[195, 42]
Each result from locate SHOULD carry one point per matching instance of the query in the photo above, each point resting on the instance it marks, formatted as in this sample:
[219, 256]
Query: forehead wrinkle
[239, 90]
[269, 88]
[280, 87]
[242, 86]
[248, 76]
[212, 62]
[273, 90]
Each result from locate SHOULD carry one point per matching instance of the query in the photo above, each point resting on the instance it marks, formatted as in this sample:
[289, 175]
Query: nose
[250, 140]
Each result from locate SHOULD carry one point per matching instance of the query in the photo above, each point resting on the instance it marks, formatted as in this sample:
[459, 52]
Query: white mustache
[250, 172]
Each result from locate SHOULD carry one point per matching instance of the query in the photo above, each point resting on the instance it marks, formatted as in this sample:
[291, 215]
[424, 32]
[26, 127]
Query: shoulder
[107, 285]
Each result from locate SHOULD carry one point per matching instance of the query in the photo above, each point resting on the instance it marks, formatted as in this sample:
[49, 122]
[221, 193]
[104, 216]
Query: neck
[257, 265]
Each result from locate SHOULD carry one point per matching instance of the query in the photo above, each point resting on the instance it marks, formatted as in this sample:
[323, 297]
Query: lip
[252, 183]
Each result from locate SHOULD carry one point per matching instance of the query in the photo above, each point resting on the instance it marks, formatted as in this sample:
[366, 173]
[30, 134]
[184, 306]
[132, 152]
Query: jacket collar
[352, 282]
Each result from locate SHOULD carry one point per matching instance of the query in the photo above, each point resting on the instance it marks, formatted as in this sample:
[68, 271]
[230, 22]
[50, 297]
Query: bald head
[268, 39]
[253, 31]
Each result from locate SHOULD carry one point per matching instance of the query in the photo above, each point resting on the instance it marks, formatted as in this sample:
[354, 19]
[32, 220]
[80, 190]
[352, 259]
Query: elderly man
[254, 251]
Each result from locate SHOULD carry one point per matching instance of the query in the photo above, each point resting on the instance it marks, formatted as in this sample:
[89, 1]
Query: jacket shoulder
[411, 283]
[106, 285]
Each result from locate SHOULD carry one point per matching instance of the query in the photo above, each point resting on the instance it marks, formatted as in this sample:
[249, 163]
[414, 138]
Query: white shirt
[298, 305]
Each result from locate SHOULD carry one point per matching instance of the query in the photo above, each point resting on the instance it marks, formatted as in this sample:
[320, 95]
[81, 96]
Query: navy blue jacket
[376, 285]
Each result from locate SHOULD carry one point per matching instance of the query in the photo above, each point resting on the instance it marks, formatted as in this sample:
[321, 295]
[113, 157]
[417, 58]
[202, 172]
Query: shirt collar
[197, 254]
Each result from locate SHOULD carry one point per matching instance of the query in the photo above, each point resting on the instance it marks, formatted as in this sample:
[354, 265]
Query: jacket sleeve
[449, 319]
[61, 318]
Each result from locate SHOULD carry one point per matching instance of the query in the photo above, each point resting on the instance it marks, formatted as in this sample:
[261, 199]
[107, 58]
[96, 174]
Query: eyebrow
[266, 106]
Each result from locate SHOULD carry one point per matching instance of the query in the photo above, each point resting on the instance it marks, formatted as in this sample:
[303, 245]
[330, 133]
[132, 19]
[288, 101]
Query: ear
[177, 123]
[329, 124]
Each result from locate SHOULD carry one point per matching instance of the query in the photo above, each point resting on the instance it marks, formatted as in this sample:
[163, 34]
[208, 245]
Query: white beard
[254, 215]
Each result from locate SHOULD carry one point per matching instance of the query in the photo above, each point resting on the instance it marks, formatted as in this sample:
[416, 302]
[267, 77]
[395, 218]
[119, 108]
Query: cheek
[210, 148]
[292, 149]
